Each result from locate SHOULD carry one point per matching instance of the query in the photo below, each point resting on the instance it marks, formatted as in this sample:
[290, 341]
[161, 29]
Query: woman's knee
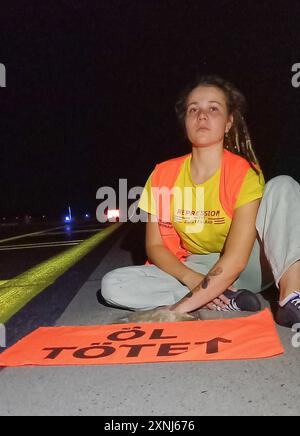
[108, 286]
[119, 287]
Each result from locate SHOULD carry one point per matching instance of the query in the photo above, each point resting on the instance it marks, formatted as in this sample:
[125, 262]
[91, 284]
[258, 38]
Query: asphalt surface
[257, 387]
[18, 254]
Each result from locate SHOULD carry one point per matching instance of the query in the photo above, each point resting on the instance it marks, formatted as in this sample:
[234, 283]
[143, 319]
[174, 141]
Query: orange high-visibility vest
[233, 171]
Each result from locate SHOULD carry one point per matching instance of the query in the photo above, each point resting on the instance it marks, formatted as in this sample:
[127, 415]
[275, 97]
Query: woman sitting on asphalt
[222, 235]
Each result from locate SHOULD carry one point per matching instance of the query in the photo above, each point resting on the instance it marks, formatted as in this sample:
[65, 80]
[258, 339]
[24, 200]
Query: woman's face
[207, 119]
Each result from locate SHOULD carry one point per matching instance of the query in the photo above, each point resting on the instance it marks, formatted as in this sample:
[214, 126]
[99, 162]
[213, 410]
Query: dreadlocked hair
[237, 140]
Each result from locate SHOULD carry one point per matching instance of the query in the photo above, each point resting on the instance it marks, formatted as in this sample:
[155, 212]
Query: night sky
[91, 88]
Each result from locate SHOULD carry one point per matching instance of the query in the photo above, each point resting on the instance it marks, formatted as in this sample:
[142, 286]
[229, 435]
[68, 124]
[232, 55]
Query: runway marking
[41, 245]
[17, 292]
[29, 234]
[76, 231]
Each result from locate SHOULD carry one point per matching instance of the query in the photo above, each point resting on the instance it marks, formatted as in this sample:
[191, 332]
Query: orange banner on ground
[250, 337]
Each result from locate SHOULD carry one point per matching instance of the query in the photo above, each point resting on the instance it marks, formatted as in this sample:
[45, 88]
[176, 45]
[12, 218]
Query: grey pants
[276, 248]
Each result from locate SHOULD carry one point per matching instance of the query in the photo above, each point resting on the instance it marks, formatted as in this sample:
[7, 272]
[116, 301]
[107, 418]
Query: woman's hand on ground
[220, 302]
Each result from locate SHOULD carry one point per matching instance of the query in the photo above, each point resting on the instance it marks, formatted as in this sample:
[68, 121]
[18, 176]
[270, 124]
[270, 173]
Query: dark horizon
[91, 89]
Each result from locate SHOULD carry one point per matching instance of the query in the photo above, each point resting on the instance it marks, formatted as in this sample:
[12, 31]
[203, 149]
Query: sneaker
[289, 314]
[242, 300]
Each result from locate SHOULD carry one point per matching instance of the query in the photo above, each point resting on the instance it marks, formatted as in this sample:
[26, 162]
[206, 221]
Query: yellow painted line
[29, 234]
[3, 281]
[17, 292]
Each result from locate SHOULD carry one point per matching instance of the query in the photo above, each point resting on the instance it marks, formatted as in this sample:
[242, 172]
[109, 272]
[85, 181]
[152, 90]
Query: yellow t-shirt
[197, 214]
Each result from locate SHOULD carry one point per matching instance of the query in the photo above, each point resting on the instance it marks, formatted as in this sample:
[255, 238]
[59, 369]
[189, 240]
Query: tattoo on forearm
[205, 282]
[216, 272]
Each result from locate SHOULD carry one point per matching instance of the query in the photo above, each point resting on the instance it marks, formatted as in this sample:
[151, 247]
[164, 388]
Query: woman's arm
[165, 260]
[237, 250]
